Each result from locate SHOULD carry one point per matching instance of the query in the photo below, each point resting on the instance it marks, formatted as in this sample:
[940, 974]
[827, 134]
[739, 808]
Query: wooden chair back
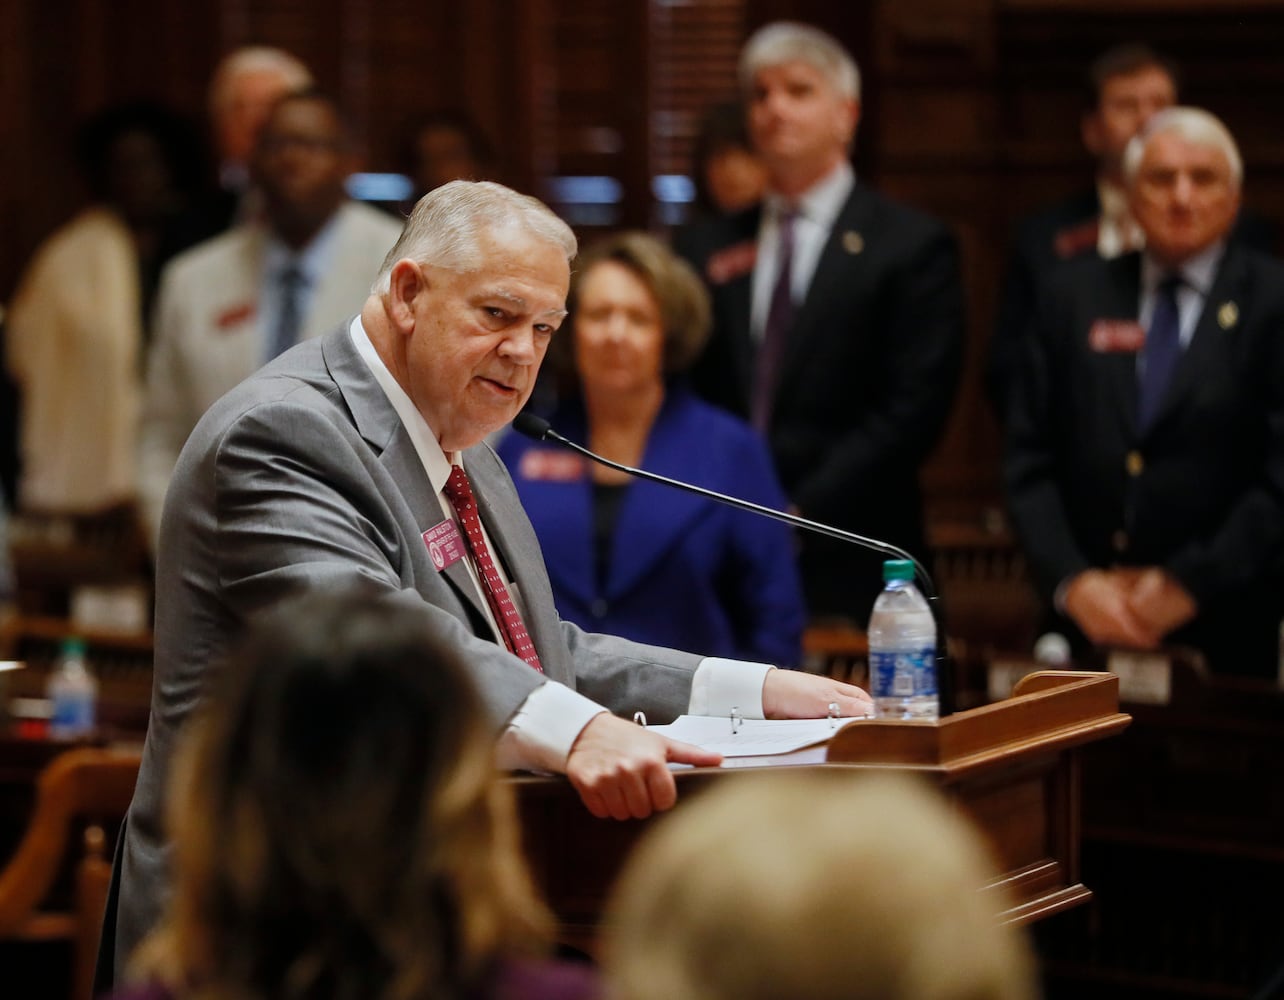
[87, 785]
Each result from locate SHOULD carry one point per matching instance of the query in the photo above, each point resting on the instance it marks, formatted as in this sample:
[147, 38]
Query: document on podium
[753, 737]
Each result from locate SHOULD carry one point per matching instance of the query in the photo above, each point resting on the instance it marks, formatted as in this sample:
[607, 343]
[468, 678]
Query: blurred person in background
[233, 303]
[243, 89]
[838, 318]
[340, 829]
[1145, 454]
[639, 559]
[444, 146]
[728, 175]
[75, 335]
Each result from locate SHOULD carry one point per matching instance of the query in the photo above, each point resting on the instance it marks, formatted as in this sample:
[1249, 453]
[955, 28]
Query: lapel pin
[1227, 315]
[853, 242]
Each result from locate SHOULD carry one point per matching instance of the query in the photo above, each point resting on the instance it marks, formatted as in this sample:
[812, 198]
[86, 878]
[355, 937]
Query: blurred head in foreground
[338, 826]
[832, 887]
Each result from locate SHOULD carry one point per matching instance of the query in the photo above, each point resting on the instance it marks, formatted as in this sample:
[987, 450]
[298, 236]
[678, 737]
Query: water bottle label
[72, 714]
[902, 673]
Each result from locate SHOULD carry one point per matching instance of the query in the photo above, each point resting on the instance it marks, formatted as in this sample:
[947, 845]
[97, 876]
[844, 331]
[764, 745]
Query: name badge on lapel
[1111, 335]
[445, 544]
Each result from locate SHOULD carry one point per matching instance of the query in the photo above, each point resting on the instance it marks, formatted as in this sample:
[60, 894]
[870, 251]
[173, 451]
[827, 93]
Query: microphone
[538, 428]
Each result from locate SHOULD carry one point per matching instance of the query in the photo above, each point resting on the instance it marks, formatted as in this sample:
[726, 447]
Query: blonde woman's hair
[825, 887]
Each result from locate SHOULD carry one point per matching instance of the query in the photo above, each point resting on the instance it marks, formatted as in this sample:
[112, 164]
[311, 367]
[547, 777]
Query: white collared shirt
[1117, 230]
[544, 728]
[312, 262]
[815, 213]
[1197, 276]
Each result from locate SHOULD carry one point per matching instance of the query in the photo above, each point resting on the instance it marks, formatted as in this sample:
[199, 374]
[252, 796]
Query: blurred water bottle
[1052, 651]
[73, 693]
[902, 648]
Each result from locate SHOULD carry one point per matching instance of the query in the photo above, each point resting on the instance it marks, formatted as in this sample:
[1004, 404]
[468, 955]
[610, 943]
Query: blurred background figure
[245, 86]
[444, 146]
[727, 173]
[1126, 85]
[638, 559]
[229, 305]
[850, 888]
[838, 325]
[75, 330]
[339, 828]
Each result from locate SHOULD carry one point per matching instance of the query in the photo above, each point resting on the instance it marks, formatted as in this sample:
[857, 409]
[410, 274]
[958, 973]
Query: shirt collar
[821, 202]
[1197, 272]
[312, 261]
[435, 462]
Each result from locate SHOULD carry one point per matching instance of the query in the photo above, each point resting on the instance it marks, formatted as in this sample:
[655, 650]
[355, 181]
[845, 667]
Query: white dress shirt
[815, 212]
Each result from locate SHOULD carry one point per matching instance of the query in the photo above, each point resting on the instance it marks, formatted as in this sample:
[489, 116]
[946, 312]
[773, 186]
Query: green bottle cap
[897, 569]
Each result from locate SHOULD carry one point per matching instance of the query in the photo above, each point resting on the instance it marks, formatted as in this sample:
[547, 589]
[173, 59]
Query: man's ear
[407, 282]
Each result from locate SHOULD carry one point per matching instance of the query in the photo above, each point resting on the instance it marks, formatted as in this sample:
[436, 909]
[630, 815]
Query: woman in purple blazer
[638, 559]
[339, 827]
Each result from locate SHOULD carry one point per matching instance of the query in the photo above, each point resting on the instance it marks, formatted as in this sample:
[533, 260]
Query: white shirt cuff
[545, 726]
[719, 685]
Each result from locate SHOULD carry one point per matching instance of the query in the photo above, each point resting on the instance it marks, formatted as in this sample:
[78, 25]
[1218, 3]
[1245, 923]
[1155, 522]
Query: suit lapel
[1120, 298]
[654, 518]
[377, 422]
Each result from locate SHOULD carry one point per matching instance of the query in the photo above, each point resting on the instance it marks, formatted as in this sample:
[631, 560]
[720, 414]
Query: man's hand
[1160, 602]
[1099, 603]
[621, 770]
[791, 694]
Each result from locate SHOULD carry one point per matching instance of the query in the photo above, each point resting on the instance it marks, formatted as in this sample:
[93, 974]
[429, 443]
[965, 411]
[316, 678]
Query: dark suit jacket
[683, 571]
[303, 477]
[1044, 241]
[1201, 491]
[868, 378]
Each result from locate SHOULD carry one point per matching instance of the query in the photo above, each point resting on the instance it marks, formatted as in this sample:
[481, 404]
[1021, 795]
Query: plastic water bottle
[73, 693]
[902, 648]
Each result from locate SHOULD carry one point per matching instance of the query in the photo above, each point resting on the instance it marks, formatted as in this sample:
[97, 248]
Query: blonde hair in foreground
[825, 887]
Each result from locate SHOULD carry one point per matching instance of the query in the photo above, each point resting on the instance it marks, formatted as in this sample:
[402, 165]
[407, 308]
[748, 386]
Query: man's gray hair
[256, 59]
[1196, 126]
[789, 41]
[447, 224]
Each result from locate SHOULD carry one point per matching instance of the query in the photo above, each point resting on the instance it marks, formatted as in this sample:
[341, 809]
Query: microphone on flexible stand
[540, 429]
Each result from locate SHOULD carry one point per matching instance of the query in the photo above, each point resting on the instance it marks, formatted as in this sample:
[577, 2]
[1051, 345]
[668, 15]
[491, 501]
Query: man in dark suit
[1125, 86]
[838, 317]
[358, 458]
[1145, 461]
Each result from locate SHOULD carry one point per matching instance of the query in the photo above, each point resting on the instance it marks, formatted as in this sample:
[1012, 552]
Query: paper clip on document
[736, 720]
[834, 714]
[640, 719]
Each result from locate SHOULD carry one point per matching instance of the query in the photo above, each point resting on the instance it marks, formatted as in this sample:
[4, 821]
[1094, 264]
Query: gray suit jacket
[304, 477]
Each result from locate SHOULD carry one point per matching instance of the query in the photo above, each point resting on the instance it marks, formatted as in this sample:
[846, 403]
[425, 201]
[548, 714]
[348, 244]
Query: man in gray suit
[341, 461]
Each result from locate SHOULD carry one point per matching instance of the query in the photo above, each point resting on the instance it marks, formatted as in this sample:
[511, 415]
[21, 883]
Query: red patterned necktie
[516, 638]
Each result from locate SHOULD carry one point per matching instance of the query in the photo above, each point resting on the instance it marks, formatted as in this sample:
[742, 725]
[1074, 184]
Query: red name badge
[445, 544]
[543, 465]
[234, 316]
[1110, 335]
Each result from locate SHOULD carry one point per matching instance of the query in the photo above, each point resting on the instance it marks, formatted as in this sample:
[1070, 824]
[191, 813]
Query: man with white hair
[1145, 459]
[838, 317]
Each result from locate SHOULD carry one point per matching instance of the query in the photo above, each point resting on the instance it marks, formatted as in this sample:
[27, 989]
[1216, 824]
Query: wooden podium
[1013, 766]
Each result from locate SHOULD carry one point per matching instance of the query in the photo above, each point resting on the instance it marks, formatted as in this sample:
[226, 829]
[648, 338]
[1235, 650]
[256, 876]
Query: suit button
[1134, 463]
[1119, 541]
[599, 608]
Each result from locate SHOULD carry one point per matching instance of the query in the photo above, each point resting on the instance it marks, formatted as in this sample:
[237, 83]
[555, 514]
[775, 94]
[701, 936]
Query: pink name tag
[544, 465]
[445, 544]
[1109, 335]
